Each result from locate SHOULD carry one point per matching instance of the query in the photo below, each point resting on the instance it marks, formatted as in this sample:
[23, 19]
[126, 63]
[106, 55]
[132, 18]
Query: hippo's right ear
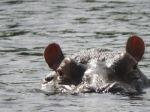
[53, 55]
[136, 47]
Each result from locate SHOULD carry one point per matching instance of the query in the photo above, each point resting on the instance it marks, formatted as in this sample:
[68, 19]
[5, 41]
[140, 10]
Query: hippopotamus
[96, 70]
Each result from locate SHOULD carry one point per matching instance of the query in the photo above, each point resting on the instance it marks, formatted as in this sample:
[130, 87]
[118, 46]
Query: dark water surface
[27, 26]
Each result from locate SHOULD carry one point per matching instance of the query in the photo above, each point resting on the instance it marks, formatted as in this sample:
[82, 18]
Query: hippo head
[121, 74]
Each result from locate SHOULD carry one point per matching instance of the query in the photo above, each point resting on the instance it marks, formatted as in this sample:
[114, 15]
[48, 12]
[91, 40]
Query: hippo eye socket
[135, 67]
[60, 72]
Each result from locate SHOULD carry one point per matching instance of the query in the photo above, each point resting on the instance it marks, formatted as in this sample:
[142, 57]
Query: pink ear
[136, 47]
[53, 55]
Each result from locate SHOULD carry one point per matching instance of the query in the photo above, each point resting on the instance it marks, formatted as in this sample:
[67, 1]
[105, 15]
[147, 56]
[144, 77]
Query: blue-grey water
[28, 26]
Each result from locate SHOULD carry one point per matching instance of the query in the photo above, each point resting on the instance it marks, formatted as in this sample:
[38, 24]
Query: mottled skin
[96, 70]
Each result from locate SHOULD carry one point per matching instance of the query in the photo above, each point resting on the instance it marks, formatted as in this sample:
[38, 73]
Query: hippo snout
[138, 85]
[123, 88]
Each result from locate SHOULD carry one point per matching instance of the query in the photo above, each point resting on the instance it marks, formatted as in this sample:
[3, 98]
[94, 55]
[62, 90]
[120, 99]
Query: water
[26, 28]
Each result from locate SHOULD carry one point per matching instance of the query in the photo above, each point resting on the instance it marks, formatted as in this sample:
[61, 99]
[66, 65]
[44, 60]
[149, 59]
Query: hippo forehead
[105, 56]
[118, 62]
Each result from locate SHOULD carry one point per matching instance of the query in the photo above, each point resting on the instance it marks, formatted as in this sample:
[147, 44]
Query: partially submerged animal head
[123, 70]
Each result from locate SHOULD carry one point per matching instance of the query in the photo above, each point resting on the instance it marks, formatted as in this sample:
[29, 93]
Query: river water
[26, 28]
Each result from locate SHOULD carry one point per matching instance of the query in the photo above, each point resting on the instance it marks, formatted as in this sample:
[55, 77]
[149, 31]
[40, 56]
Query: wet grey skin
[100, 71]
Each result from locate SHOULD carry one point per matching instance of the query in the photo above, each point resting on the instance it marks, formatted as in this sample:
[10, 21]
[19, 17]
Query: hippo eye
[60, 72]
[135, 67]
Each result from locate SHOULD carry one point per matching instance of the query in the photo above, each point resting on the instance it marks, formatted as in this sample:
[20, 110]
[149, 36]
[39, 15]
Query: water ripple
[12, 33]
[13, 2]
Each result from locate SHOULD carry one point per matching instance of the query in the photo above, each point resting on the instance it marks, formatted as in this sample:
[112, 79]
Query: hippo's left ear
[136, 47]
[53, 55]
